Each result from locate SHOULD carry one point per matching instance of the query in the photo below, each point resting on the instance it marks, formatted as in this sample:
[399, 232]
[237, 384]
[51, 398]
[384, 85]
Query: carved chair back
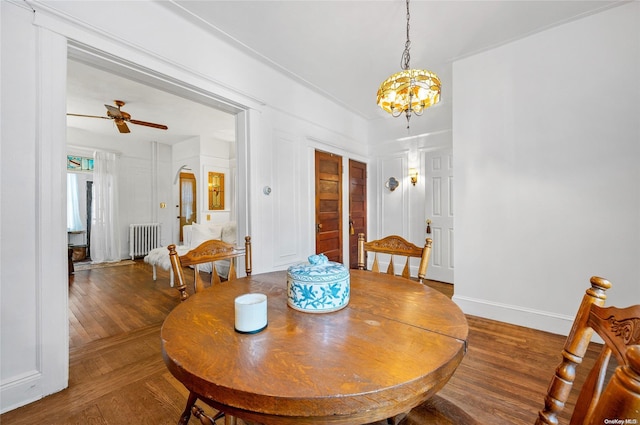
[620, 331]
[210, 251]
[394, 246]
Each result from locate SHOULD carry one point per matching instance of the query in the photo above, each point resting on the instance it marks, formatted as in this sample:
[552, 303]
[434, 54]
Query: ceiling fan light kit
[409, 91]
[121, 118]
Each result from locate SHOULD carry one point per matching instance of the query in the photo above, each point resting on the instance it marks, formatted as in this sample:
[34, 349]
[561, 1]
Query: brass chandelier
[411, 90]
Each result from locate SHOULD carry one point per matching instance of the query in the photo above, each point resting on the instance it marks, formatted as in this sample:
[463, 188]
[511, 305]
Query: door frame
[194, 192]
[318, 145]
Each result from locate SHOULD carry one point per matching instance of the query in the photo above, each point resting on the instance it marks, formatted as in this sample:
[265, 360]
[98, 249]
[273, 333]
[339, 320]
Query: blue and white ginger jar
[319, 286]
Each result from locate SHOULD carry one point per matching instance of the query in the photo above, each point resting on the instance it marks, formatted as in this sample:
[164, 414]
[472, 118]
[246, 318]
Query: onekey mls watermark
[620, 421]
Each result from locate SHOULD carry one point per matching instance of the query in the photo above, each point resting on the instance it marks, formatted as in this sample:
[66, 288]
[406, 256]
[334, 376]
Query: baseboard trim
[21, 391]
[516, 315]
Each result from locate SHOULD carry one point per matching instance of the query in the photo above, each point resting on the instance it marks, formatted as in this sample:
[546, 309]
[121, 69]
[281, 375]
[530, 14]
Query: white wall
[546, 153]
[284, 152]
[393, 152]
[33, 69]
[33, 272]
[218, 156]
[144, 181]
[393, 149]
[203, 155]
[551, 132]
[303, 112]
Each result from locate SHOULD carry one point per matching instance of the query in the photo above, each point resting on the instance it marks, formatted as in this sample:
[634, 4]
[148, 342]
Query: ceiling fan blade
[121, 118]
[149, 124]
[89, 116]
[122, 126]
[112, 111]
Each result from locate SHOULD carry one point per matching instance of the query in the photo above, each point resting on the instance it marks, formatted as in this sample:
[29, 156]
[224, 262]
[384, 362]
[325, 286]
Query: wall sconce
[413, 174]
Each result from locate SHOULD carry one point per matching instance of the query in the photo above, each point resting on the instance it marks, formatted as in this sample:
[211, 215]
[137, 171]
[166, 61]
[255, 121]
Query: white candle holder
[251, 313]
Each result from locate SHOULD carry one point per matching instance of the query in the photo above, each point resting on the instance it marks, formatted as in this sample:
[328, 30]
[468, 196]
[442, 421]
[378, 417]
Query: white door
[439, 209]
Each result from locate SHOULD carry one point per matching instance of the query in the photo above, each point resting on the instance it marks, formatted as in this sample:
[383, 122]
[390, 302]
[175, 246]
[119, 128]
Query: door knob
[318, 227]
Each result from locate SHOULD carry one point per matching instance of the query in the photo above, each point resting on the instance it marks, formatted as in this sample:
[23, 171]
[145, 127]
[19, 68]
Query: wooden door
[357, 207]
[187, 200]
[329, 205]
[439, 205]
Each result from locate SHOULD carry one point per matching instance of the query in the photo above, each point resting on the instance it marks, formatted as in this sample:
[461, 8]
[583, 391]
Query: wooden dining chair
[619, 328]
[436, 410]
[210, 251]
[602, 399]
[394, 246]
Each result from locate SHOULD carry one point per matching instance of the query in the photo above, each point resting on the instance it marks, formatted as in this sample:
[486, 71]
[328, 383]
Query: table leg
[184, 418]
[229, 420]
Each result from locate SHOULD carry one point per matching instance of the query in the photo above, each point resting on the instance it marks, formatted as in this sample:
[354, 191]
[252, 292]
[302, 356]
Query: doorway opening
[188, 205]
[79, 203]
[137, 73]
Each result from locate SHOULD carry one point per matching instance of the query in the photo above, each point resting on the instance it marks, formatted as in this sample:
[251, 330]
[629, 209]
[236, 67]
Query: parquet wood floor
[117, 375]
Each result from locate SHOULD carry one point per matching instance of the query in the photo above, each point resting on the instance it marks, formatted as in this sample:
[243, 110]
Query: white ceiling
[343, 49]
[90, 88]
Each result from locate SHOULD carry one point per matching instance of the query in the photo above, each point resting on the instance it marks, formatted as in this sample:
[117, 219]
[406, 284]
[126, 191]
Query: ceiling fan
[121, 118]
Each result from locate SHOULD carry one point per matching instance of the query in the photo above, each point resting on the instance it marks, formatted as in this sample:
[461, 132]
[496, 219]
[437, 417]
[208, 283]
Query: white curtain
[187, 200]
[105, 228]
[74, 223]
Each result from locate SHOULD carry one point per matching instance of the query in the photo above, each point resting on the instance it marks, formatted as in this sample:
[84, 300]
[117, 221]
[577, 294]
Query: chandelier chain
[406, 56]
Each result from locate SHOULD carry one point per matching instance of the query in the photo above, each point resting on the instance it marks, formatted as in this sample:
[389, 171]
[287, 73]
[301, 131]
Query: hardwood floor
[117, 375]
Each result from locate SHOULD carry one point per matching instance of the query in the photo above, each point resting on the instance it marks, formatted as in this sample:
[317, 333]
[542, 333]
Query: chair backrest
[620, 331]
[209, 251]
[395, 246]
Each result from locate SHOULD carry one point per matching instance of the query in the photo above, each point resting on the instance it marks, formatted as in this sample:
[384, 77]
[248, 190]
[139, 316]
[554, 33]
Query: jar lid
[317, 269]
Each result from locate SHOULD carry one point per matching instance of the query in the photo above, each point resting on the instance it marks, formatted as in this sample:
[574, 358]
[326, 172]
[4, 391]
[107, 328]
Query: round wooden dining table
[393, 346]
